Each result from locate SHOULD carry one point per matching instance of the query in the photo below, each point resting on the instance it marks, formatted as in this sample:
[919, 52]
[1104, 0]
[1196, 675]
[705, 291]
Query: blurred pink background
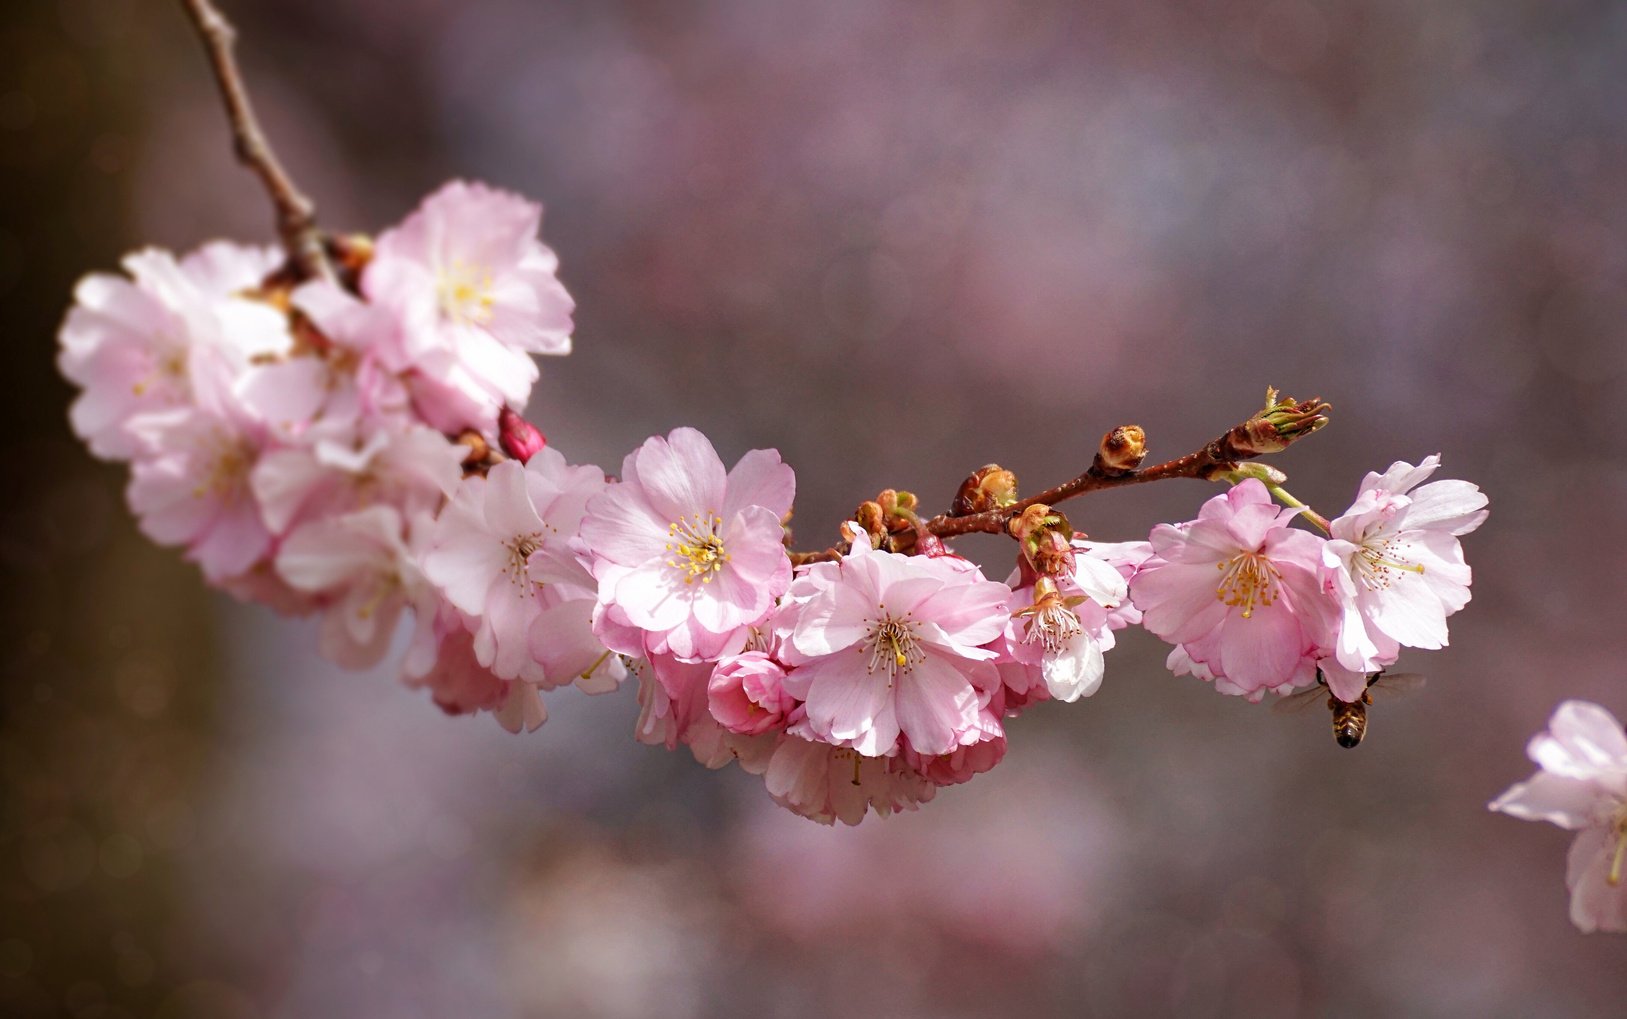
[895, 241]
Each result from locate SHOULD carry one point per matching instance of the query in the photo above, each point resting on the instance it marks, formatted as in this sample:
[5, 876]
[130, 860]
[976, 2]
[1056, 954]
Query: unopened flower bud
[1025, 523]
[1279, 424]
[896, 503]
[988, 487]
[1122, 450]
[871, 517]
[518, 437]
[475, 446]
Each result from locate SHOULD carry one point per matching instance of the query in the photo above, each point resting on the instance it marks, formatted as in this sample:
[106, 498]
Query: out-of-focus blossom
[884, 644]
[190, 483]
[360, 563]
[963, 762]
[347, 375]
[410, 469]
[476, 294]
[1582, 786]
[826, 783]
[1397, 568]
[1238, 590]
[136, 345]
[443, 661]
[686, 555]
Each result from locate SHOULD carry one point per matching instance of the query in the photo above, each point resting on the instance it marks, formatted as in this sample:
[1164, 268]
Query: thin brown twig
[1219, 455]
[1253, 438]
[296, 214]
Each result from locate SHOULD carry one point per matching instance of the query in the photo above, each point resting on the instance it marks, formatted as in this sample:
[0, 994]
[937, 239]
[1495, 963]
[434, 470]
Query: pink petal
[681, 475]
[1568, 802]
[760, 479]
[936, 703]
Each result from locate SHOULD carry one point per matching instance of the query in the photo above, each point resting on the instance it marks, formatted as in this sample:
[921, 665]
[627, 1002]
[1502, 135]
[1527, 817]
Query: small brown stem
[296, 214]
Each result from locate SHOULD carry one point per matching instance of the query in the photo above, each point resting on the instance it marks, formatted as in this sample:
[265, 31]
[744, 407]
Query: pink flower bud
[519, 437]
[747, 694]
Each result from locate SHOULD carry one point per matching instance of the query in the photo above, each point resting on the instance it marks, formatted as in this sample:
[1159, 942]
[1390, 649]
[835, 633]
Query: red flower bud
[518, 437]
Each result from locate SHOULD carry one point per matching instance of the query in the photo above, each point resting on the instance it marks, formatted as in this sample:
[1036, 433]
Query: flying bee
[1350, 717]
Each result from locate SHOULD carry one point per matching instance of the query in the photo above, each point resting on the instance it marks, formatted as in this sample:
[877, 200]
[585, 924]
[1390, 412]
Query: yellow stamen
[1248, 580]
[1376, 566]
[466, 292]
[697, 547]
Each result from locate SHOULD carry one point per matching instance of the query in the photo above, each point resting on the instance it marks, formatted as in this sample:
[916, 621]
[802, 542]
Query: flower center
[892, 645]
[697, 549]
[168, 371]
[1378, 565]
[1053, 624]
[520, 549]
[465, 292]
[1248, 579]
[226, 473]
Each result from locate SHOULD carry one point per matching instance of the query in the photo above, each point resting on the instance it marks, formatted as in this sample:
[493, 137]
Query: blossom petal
[760, 479]
[681, 475]
[935, 703]
[1567, 802]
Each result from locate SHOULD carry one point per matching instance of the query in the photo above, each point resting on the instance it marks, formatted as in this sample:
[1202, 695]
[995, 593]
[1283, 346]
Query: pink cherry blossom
[1064, 633]
[134, 345]
[503, 552]
[1396, 565]
[350, 377]
[442, 660]
[962, 763]
[332, 472]
[190, 484]
[685, 555]
[673, 711]
[1582, 786]
[1126, 557]
[1238, 590]
[884, 644]
[360, 562]
[476, 294]
[746, 694]
[827, 784]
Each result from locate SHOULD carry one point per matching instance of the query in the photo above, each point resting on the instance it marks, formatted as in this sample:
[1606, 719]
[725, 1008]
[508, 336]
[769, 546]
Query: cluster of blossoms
[349, 446]
[300, 440]
[869, 681]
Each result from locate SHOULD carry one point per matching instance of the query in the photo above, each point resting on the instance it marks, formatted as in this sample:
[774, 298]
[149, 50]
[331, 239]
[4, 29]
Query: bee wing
[1394, 684]
[1301, 700]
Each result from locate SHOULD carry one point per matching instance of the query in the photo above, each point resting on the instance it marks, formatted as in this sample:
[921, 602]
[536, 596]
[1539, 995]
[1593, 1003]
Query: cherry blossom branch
[296, 214]
[1270, 431]
[981, 509]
